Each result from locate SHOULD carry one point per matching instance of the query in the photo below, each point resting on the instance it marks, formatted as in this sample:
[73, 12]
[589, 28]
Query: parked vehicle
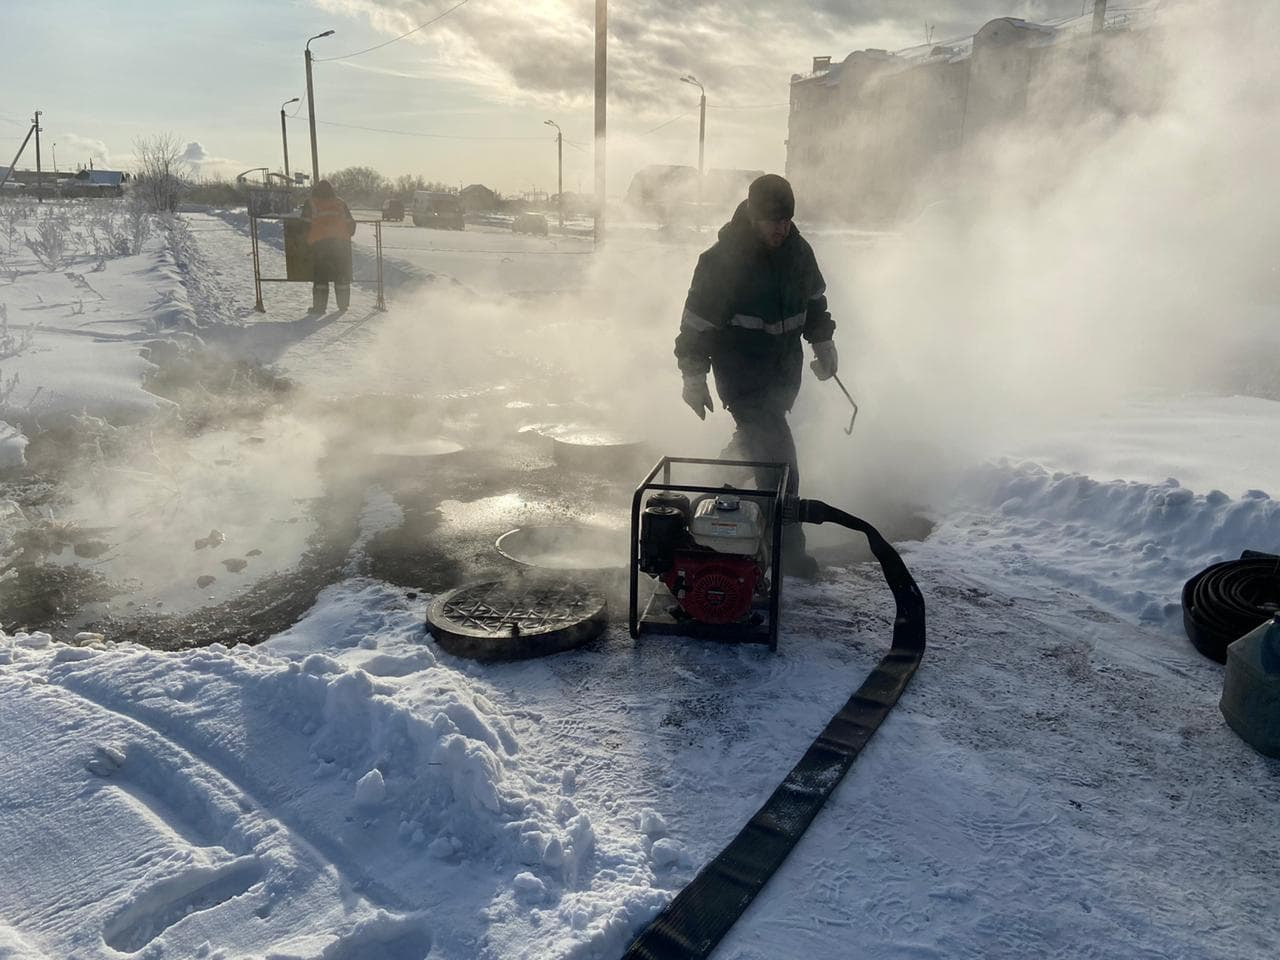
[393, 209]
[533, 223]
[442, 211]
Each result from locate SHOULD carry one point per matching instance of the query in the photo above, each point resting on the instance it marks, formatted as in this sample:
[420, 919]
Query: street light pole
[559, 170]
[311, 108]
[602, 73]
[702, 135]
[284, 137]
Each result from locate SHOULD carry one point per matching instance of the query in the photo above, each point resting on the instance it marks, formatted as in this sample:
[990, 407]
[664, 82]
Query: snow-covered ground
[1057, 781]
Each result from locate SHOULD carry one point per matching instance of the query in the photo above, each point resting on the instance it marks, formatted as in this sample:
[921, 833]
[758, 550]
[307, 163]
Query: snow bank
[345, 742]
[1129, 545]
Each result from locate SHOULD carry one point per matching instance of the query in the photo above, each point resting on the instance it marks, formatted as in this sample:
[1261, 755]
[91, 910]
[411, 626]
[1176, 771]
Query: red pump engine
[713, 587]
[711, 554]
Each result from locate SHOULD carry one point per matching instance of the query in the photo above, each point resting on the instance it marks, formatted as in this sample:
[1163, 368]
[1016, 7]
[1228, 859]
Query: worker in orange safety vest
[329, 237]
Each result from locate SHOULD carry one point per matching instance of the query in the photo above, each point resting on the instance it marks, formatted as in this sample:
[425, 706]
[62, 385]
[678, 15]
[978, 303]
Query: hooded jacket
[747, 308]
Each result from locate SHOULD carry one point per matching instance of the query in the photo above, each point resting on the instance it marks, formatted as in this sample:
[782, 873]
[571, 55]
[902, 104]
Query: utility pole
[559, 170]
[1092, 82]
[284, 137]
[35, 122]
[14, 166]
[602, 49]
[702, 134]
[311, 108]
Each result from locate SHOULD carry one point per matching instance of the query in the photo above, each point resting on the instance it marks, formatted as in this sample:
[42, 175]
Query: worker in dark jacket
[754, 294]
[329, 237]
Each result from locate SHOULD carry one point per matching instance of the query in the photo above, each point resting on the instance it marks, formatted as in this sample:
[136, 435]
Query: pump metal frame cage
[259, 279]
[762, 625]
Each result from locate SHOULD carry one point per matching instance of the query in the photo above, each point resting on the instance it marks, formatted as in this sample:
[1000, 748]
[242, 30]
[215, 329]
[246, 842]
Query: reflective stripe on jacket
[330, 220]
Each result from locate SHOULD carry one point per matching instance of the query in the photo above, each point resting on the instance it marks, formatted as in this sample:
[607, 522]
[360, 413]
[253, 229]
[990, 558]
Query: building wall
[865, 135]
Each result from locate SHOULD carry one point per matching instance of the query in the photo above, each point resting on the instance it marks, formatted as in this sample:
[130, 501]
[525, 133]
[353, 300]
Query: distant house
[477, 198]
[95, 183]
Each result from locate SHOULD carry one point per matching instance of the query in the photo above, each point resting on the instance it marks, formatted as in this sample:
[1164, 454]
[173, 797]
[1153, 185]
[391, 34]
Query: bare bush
[7, 386]
[14, 342]
[50, 244]
[12, 214]
[139, 213]
[107, 235]
[160, 174]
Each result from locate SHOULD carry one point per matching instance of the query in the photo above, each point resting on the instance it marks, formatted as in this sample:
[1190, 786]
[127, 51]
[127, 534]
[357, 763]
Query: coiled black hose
[1223, 602]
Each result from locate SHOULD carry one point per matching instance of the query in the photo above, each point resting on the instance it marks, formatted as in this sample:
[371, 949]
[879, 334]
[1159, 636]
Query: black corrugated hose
[1223, 602]
[702, 913]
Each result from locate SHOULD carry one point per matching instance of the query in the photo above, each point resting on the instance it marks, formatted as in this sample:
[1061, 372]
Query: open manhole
[425, 448]
[566, 546]
[516, 619]
[586, 447]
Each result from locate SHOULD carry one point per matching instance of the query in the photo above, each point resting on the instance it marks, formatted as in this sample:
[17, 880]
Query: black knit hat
[770, 198]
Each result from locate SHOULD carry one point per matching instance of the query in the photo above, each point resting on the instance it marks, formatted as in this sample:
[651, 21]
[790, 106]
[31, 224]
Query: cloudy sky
[462, 100]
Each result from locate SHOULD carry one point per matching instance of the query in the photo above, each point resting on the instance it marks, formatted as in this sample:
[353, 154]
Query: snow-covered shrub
[139, 216]
[51, 242]
[161, 170]
[12, 214]
[108, 235]
[13, 342]
[7, 387]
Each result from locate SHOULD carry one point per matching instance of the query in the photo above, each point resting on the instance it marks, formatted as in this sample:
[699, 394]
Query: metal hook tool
[849, 429]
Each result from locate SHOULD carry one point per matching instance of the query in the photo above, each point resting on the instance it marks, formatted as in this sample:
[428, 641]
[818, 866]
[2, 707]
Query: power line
[667, 123]
[415, 133]
[747, 106]
[379, 46]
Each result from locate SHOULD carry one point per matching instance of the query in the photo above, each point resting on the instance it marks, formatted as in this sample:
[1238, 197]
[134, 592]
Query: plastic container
[1251, 688]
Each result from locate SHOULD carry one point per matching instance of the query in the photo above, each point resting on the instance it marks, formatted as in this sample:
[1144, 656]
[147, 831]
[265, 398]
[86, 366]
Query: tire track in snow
[353, 881]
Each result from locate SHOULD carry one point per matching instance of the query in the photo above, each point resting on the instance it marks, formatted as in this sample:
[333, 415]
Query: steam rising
[1055, 273]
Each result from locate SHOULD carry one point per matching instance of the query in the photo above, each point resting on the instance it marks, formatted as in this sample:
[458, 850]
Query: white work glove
[825, 361]
[697, 395]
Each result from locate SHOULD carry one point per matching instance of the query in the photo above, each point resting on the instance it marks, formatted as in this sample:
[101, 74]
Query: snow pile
[373, 762]
[93, 286]
[1129, 545]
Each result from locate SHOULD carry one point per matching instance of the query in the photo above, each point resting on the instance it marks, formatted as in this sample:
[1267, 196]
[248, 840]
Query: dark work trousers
[331, 262]
[762, 433]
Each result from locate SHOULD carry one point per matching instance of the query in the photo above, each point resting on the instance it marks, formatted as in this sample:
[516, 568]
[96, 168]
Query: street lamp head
[287, 102]
[327, 33]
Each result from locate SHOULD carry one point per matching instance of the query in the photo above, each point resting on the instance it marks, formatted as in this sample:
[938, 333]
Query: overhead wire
[667, 123]
[416, 133]
[385, 43]
[747, 106]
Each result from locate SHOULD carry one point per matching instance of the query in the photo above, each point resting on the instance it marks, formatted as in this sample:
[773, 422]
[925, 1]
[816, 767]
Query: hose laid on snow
[702, 913]
[1223, 602]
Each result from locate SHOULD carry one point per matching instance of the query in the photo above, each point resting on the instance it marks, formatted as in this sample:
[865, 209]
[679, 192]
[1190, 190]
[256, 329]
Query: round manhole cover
[516, 619]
